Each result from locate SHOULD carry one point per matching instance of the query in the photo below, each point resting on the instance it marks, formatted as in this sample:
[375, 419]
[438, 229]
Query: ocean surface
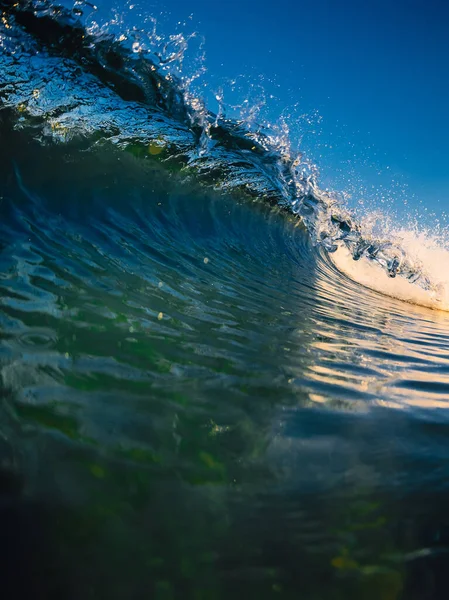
[215, 381]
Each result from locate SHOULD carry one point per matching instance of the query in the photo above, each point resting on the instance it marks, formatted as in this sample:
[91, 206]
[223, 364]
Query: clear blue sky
[377, 73]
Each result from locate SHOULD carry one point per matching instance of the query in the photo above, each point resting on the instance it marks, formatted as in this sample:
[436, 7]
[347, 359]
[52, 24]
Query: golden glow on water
[434, 261]
[372, 349]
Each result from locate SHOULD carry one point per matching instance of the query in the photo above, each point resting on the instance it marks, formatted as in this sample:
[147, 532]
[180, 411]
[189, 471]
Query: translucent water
[203, 394]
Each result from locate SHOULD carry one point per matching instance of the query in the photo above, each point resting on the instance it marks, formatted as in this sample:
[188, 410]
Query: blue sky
[376, 72]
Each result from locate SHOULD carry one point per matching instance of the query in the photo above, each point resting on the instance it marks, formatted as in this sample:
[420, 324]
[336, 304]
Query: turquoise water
[195, 402]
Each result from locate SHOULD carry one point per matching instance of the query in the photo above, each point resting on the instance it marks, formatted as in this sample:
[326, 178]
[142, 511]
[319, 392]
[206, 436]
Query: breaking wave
[67, 80]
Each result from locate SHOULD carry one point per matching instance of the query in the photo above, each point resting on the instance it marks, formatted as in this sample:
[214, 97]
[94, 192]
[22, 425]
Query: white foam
[430, 254]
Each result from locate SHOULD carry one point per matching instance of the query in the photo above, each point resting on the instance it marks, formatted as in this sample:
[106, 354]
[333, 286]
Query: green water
[184, 403]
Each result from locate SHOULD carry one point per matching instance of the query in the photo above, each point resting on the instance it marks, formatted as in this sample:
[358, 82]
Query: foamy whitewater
[216, 380]
[426, 253]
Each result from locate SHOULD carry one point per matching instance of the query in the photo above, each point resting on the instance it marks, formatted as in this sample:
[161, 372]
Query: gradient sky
[376, 72]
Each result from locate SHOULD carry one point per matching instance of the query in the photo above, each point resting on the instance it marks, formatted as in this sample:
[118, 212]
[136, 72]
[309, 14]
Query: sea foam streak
[423, 249]
[369, 274]
[67, 83]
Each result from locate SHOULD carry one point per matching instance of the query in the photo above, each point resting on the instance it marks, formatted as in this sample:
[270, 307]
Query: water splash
[425, 250]
[67, 79]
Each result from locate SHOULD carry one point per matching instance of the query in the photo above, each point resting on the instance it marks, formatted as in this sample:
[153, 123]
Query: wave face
[199, 397]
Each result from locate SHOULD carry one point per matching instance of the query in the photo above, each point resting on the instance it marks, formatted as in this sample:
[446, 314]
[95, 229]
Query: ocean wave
[185, 362]
[65, 82]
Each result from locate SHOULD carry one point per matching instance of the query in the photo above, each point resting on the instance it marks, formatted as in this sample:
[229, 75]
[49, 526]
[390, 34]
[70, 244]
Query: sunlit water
[198, 400]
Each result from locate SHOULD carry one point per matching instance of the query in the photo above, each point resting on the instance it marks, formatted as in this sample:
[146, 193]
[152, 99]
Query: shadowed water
[195, 402]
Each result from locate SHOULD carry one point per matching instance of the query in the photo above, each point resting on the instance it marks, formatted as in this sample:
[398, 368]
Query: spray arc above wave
[62, 82]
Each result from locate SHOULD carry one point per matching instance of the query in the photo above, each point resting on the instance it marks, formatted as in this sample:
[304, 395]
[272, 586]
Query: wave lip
[67, 84]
